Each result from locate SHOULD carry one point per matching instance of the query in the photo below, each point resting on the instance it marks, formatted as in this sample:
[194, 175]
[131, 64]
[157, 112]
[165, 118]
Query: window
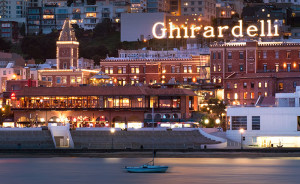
[276, 54]
[219, 68]
[190, 69]
[276, 67]
[219, 80]
[64, 79]
[280, 86]
[214, 68]
[259, 85]
[106, 70]
[119, 69]
[266, 94]
[50, 79]
[124, 69]
[229, 55]
[294, 84]
[252, 95]
[252, 84]
[173, 69]
[266, 84]
[44, 78]
[137, 69]
[78, 80]
[245, 95]
[265, 67]
[289, 67]
[236, 96]
[73, 80]
[264, 54]
[228, 95]
[229, 68]
[4, 72]
[288, 54]
[255, 122]
[132, 69]
[214, 55]
[245, 85]
[235, 85]
[228, 85]
[239, 122]
[111, 70]
[241, 68]
[214, 80]
[219, 55]
[185, 69]
[241, 55]
[58, 80]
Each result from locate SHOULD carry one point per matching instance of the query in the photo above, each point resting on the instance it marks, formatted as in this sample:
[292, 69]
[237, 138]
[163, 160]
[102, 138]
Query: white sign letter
[252, 29]
[163, 30]
[240, 27]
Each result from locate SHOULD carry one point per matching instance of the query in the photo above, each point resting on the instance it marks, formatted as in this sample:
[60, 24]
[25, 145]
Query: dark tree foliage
[96, 59]
[91, 2]
[104, 28]
[69, 2]
[4, 45]
[22, 30]
[40, 47]
[253, 1]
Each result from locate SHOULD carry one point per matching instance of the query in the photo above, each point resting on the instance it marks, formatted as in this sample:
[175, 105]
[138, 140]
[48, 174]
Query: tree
[96, 59]
[70, 2]
[91, 2]
[22, 29]
[4, 45]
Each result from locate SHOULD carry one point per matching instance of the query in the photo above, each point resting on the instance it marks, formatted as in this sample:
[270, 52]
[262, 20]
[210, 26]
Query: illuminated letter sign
[159, 30]
[163, 30]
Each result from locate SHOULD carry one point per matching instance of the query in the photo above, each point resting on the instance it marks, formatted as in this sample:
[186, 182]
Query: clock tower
[67, 48]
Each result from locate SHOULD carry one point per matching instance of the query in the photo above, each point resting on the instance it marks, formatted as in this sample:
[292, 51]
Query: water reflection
[182, 170]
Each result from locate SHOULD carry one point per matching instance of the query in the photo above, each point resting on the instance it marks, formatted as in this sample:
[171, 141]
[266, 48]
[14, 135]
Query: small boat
[147, 168]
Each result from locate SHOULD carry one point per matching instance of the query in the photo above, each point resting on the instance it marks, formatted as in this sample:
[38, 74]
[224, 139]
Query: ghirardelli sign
[159, 30]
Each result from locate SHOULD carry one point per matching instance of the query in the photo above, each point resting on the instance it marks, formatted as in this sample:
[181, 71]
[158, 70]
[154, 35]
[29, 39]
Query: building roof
[67, 33]
[103, 91]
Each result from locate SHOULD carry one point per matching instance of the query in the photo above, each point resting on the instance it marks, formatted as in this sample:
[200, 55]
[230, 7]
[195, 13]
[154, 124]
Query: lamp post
[241, 131]
[218, 123]
[112, 131]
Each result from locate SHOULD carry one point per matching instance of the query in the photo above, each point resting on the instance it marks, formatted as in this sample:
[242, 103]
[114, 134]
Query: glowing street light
[206, 121]
[218, 121]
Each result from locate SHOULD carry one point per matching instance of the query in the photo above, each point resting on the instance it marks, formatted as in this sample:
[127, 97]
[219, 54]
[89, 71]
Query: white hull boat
[147, 169]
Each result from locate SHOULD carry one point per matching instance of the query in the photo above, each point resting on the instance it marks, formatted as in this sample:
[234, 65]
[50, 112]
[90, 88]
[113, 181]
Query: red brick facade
[150, 71]
[252, 69]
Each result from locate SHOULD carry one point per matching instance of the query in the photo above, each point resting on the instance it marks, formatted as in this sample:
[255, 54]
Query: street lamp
[206, 121]
[241, 131]
[112, 131]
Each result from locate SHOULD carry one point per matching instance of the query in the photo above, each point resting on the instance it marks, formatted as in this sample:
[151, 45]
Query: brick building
[151, 71]
[251, 70]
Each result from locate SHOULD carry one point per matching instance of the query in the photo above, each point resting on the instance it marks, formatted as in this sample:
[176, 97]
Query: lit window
[124, 69]
[185, 69]
[277, 67]
[214, 68]
[111, 70]
[259, 85]
[228, 95]
[48, 16]
[235, 96]
[137, 70]
[91, 15]
[266, 84]
[78, 79]
[119, 69]
[73, 80]
[190, 69]
[58, 80]
[245, 95]
[266, 94]
[235, 85]
[64, 80]
[252, 95]
[288, 54]
[132, 70]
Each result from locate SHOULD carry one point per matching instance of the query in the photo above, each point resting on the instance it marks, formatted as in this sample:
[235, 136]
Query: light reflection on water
[182, 170]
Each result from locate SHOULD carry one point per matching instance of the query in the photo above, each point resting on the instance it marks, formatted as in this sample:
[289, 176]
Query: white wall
[274, 122]
[136, 24]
